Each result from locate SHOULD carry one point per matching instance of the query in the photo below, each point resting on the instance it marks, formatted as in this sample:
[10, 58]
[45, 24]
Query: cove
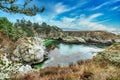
[65, 54]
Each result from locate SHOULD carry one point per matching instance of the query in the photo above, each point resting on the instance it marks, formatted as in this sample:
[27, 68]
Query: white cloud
[115, 8]
[105, 4]
[95, 16]
[101, 5]
[39, 18]
[68, 20]
[59, 8]
[65, 22]
[87, 23]
[80, 23]
[96, 26]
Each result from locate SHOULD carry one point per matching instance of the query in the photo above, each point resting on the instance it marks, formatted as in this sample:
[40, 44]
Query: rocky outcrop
[12, 55]
[112, 53]
[87, 37]
[29, 50]
[7, 67]
[100, 37]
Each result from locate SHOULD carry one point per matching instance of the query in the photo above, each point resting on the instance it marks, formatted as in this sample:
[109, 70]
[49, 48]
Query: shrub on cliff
[112, 53]
[25, 28]
[7, 28]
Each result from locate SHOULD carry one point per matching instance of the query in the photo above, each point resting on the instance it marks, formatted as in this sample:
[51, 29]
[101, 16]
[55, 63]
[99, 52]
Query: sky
[80, 15]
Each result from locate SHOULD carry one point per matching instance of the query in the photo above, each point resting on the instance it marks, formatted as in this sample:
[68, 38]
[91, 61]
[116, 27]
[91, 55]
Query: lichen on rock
[29, 50]
[7, 67]
[112, 53]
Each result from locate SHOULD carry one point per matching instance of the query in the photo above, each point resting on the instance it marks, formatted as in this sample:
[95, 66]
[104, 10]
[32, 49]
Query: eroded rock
[29, 50]
[7, 67]
[112, 53]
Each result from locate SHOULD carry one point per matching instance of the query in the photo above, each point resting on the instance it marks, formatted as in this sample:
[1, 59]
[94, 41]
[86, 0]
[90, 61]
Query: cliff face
[83, 37]
[90, 37]
[93, 34]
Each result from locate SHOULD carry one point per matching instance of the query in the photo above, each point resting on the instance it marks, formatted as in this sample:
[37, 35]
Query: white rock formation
[8, 67]
[29, 50]
[25, 69]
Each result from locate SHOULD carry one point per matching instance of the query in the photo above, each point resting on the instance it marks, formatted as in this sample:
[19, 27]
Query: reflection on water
[67, 53]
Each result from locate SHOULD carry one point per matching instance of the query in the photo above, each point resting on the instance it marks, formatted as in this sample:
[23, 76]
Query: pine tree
[12, 7]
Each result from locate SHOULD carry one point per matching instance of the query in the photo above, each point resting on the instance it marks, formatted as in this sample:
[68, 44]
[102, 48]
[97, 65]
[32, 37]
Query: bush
[7, 28]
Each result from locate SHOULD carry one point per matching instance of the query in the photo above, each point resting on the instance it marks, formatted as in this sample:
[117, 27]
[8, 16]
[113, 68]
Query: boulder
[29, 50]
[7, 67]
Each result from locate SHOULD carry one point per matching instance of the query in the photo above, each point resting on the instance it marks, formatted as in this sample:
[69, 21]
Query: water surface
[70, 53]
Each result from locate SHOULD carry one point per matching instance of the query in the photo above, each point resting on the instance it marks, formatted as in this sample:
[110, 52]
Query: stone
[7, 67]
[29, 50]
[100, 37]
[112, 53]
[25, 69]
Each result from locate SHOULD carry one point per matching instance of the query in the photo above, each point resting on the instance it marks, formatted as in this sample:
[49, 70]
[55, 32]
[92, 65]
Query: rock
[70, 40]
[25, 69]
[29, 50]
[7, 67]
[91, 37]
[81, 40]
[112, 53]
[100, 37]
[117, 40]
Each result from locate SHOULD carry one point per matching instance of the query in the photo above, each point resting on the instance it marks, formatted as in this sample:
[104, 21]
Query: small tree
[7, 27]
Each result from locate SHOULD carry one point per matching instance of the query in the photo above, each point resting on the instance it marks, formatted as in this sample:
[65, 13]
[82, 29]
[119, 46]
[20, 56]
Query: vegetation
[23, 28]
[45, 28]
[38, 66]
[49, 42]
[11, 6]
[112, 53]
[95, 69]
[30, 29]
[7, 28]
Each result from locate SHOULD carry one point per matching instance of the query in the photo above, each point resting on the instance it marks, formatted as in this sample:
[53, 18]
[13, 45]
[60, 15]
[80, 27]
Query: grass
[93, 69]
[38, 66]
[49, 42]
[112, 53]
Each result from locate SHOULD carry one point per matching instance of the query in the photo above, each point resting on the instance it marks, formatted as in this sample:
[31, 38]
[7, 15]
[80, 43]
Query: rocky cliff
[101, 37]
[112, 53]
[8, 67]
[86, 37]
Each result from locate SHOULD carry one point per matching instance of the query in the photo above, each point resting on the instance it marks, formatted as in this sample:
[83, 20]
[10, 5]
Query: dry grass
[85, 70]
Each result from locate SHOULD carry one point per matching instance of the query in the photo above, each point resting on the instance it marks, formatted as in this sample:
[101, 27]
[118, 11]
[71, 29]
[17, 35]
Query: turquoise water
[70, 53]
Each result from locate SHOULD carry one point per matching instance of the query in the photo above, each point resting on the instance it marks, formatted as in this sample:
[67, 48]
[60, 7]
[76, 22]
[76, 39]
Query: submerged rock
[29, 50]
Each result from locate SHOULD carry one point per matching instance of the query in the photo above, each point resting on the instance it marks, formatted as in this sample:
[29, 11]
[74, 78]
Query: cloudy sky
[76, 14]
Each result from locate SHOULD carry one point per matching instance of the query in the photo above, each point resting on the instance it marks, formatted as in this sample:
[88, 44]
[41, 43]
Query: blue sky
[76, 14]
